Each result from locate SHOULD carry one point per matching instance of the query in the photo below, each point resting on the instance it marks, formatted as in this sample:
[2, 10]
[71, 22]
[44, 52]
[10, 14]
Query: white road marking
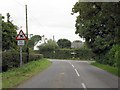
[73, 66]
[83, 85]
[77, 72]
[62, 73]
[70, 63]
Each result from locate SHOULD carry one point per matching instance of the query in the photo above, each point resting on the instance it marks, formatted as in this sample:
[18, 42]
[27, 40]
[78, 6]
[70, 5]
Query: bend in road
[72, 74]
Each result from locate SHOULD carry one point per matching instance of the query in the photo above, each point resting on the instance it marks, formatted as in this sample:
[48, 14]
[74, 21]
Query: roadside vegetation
[98, 24]
[15, 76]
[10, 49]
[11, 59]
[12, 74]
[113, 70]
[62, 50]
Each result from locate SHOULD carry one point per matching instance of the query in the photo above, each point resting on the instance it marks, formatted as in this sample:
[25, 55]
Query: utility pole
[26, 21]
[27, 50]
[8, 17]
[53, 37]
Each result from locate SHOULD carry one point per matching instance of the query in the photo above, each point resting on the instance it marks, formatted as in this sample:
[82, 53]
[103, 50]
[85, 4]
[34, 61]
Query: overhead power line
[32, 17]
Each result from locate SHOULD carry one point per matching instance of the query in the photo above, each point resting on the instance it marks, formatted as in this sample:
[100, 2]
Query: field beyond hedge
[10, 78]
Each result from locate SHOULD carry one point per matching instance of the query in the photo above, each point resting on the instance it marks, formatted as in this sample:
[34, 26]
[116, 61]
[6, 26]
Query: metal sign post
[21, 43]
[20, 56]
[21, 39]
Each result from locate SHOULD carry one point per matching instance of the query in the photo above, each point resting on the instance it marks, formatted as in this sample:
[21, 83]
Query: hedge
[111, 57]
[67, 54]
[85, 54]
[11, 59]
[114, 55]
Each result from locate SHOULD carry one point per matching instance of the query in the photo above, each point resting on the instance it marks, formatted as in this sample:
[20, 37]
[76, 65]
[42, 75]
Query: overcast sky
[45, 17]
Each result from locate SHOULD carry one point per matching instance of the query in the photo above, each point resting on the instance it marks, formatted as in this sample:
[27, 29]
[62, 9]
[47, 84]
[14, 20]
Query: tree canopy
[64, 43]
[51, 45]
[8, 35]
[99, 24]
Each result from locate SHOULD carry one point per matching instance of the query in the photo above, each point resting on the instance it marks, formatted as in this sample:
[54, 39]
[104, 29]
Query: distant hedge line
[67, 54]
[12, 59]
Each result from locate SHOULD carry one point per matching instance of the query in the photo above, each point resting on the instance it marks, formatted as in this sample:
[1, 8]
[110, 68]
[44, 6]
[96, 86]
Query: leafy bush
[114, 55]
[117, 57]
[12, 59]
[83, 53]
[49, 46]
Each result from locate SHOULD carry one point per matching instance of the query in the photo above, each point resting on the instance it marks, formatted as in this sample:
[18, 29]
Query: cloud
[48, 17]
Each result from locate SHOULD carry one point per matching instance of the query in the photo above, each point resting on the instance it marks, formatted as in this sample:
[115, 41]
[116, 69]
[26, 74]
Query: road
[71, 74]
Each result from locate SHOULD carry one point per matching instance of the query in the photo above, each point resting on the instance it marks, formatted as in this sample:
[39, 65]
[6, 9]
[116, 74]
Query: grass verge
[16, 76]
[113, 70]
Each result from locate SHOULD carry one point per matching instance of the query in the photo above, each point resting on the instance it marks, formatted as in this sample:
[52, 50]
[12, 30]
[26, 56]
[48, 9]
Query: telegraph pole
[53, 37]
[27, 50]
[26, 21]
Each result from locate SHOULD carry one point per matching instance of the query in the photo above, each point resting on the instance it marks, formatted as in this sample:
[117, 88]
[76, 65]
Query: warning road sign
[21, 36]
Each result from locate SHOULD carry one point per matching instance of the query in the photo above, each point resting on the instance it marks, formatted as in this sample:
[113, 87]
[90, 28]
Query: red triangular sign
[21, 36]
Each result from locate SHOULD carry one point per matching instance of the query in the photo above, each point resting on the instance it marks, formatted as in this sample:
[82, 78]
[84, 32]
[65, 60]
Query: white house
[40, 42]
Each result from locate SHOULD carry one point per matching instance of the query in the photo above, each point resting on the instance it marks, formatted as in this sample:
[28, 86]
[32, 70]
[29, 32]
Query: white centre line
[73, 66]
[77, 72]
[83, 85]
[69, 62]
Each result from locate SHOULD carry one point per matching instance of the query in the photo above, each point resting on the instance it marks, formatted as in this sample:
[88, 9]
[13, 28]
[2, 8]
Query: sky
[45, 17]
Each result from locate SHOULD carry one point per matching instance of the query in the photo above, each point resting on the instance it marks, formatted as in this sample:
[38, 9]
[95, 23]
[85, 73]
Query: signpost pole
[20, 39]
[20, 56]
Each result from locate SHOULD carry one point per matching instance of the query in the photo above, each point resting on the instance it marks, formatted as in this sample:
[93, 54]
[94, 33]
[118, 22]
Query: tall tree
[99, 24]
[8, 35]
[64, 43]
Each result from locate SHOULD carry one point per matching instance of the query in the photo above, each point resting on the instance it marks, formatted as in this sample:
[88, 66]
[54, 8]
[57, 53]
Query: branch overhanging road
[71, 74]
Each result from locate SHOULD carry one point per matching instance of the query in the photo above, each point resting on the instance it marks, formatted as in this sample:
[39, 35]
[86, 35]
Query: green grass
[110, 69]
[0, 81]
[16, 76]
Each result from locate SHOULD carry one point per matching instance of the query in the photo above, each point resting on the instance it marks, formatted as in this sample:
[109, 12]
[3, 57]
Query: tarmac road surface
[71, 74]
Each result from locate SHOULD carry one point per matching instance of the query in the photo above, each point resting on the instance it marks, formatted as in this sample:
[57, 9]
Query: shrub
[113, 55]
[83, 53]
[11, 59]
[117, 57]
[49, 46]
